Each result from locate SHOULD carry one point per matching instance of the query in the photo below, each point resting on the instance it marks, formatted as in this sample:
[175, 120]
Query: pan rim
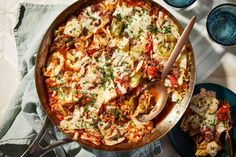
[41, 88]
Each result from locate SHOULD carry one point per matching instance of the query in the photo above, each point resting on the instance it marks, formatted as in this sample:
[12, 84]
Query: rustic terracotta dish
[165, 120]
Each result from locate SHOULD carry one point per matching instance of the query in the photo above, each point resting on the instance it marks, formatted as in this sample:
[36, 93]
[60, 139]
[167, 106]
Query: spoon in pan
[157, 88]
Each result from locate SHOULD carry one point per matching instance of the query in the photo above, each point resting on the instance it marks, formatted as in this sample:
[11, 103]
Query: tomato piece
[62, 50]
[91, 52]
[137, 89]
[123, 83]
[185, 86]
[224, 109]
[50, 94]
[59, 116]
[173, 80]
[152, 71]
[154, 11]
[118, 91]
[149, 45]
[223, 113]
[134, 3]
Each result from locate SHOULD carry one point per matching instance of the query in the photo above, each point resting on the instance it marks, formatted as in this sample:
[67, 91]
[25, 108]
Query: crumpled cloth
[24, 115]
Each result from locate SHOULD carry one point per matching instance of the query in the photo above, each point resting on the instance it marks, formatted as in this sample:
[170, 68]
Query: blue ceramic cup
[221, 24]
[180, 3]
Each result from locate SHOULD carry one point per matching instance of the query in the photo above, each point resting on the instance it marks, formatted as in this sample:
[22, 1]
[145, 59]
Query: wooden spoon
[157, 88]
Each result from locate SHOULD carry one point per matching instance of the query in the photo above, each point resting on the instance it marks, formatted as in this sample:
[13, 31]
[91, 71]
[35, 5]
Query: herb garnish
[85, 31]
[69, 40]
[153, 28]
[89, 104]
[166, 29]
[116, 112]
[107, 73]
[124, 26]
[118, 16]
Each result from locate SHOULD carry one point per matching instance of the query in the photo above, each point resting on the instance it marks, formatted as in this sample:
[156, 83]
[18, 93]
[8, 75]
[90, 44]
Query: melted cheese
[54, 67]
[122, 63]
[67, 95]
[123, 43]
[73, 27]
[200, 105]
[213, 148]
[182, 62]
[194, 120]
[110, 92]
[121, 88]
[123, 11]
[209, 122]
[73, 59]
[89, 19]
[176, 96]
[137, 25]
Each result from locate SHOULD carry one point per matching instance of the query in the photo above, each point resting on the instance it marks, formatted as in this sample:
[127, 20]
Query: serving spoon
[157, 87]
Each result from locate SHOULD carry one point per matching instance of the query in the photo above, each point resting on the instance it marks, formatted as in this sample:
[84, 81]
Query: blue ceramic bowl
[221, 24]
[180, 3]
[183, 143]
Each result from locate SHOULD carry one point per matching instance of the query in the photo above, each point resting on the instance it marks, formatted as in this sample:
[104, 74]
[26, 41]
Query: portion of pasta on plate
[205, 120]
[100, 60]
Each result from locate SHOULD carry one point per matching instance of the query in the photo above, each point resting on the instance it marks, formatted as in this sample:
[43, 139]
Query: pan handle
[36, 150]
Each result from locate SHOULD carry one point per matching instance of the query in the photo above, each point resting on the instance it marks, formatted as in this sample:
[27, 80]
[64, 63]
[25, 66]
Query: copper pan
[164, 122]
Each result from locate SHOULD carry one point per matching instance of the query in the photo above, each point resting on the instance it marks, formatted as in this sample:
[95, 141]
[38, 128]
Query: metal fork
[227, 136]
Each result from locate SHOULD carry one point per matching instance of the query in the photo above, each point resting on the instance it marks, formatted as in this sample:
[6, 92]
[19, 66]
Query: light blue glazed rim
[183, 6]
[207, 23]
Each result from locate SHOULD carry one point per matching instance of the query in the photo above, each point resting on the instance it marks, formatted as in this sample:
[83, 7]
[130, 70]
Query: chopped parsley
[69, 40]
[107, 73]
[140, 31]
[86, 108]
[124, 26]
[62, 95]
[124, 63]
[97, 59]
[54, 88]
[87, 13]
[87, 93]
[153, 28]
[166, 29]
[144, 10]
[85, 82]
[136, 11]
[91, 102]
[111, 88]
[126, 70]
[116, 113]
[85, 31]
[118, 16]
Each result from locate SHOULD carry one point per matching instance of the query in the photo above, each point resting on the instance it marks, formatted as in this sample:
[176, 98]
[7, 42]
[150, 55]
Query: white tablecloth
[215, 63]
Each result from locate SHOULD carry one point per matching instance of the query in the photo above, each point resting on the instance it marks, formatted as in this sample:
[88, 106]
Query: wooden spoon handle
[178, 47]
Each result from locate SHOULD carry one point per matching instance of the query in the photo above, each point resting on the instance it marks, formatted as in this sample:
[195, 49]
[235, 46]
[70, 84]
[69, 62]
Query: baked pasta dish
[205, 120]
[99, 61]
